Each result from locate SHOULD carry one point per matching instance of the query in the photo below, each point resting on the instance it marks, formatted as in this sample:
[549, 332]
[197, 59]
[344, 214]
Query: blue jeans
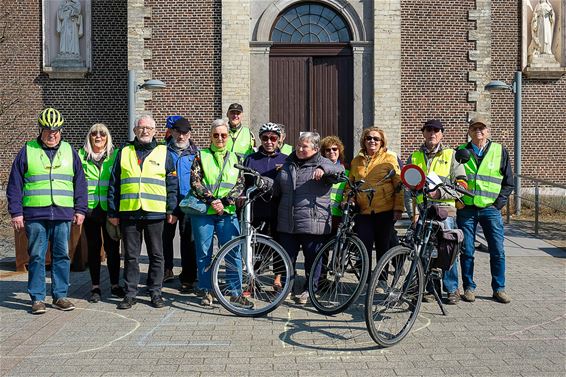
[226, 227]
[39, 234]
[450, 277]
[492, 224]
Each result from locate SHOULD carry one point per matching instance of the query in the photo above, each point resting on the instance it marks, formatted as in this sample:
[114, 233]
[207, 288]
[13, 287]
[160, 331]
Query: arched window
[310, 23]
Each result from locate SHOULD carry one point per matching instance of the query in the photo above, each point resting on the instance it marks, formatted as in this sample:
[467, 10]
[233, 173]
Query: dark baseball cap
[235, 107]
[182, 125]
[433, 123]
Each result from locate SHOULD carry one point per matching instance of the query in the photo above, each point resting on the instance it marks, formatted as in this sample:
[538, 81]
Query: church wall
[99, 97]
[185, 49]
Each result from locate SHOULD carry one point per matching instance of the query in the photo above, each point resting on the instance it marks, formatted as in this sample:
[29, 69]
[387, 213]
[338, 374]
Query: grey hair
[217, 123]
[146, 117]
[311, 137]
[88, 145]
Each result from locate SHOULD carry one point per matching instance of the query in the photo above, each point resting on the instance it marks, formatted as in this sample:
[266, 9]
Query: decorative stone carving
[542, 40]
[66, 38]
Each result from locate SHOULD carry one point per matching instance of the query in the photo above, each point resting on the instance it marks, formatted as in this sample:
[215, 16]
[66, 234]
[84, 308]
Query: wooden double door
[311, 89]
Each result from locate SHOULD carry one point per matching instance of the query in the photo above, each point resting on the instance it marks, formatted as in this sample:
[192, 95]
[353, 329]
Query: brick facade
[186, 53]
[435, 66]
[99, 97]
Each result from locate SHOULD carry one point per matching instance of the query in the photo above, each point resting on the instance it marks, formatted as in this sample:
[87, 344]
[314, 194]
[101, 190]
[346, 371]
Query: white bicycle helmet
[270, 127]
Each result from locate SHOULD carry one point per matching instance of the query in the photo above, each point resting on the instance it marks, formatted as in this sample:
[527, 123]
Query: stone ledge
[67, 73]
[541, 73]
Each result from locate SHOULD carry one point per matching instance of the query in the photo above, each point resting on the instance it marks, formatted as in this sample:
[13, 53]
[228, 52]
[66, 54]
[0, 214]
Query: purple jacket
[15, 190]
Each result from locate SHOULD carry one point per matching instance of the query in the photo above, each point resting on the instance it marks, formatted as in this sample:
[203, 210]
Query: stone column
[387, 70]
[481, 56]
[259, 84]
[363, 89]
[236, 55]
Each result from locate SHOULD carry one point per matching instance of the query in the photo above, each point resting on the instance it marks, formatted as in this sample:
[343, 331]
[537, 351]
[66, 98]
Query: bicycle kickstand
[439, 302]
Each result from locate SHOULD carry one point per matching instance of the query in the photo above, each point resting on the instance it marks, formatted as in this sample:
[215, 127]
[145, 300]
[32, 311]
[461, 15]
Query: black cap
[235, 107]
[433, 123]
[182, 125]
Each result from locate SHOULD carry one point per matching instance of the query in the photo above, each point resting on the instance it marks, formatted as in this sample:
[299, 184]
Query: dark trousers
[188, 254]
[95, 231]
[133, 232]
[311, 243]
[375, 229]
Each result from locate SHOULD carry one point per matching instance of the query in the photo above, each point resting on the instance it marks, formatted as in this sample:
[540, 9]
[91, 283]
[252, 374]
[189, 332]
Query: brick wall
[434, 66]
[185, 49]
[544, 117]
[100, 97]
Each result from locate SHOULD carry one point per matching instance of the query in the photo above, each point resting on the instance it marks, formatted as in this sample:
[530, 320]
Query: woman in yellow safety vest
[97, 157]
[333, 149]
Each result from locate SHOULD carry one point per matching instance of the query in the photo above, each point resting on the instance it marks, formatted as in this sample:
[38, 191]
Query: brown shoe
[501, 297]
[38, 307]
[469, 295]
[63, 304]
[453, 297]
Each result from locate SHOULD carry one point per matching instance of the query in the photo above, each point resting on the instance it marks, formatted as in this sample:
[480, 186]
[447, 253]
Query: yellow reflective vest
[484, 181]
[440, 164]
[240, 142]
[337, 195]
[48, 182]
[97, 179]
[211, 173]
[143, 187]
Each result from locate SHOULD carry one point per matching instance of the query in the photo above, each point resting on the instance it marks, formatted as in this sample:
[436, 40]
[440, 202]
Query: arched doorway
[311, 73]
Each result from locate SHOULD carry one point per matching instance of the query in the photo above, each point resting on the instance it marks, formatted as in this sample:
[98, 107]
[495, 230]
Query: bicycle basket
[449, 246]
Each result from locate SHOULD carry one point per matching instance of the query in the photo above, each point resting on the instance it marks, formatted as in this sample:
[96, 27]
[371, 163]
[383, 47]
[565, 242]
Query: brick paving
[524, 338]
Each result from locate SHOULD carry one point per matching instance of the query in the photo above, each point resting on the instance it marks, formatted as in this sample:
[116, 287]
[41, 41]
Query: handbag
[191, 205]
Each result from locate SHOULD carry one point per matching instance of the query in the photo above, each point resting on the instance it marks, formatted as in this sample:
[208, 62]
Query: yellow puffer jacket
[372, 169]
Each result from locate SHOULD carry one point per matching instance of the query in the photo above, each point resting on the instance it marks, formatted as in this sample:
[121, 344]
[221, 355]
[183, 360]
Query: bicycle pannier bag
[449, 247]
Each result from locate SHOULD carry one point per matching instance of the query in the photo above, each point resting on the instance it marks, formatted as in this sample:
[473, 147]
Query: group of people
[134, 192]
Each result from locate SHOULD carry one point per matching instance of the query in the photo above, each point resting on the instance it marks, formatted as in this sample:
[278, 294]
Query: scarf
[219, 154]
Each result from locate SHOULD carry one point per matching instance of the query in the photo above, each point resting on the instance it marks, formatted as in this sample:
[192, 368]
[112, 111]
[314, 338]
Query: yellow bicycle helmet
[50, 118]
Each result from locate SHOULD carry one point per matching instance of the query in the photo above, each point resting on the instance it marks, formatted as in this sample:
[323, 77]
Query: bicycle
[262, 260]
[343, 261]
[398, 281]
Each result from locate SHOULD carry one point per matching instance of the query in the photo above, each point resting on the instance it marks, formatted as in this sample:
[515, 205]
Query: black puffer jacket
[304, 205]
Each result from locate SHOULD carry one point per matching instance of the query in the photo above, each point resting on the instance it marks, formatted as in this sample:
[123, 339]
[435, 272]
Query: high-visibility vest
[240, 142]
[48, 182]
[211, 171]
[97, 179]
[286, 149]
[144, 187]
[440, 164]
[484, 181]
[336, 196]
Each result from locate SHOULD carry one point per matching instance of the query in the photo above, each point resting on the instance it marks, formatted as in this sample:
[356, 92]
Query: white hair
[88, 145]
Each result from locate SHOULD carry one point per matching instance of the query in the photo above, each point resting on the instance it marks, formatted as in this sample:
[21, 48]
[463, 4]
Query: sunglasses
[332, 149]
[219, 136]
[432, 129]
[101, 133]
[374, 138]
[271, 138]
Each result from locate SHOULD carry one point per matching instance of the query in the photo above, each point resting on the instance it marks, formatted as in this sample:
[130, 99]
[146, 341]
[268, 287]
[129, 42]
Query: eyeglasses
[331, 149]
[271, 138]
[432, 129]
[218, 136]
[101, 133]
[146, 129]
[374, 138]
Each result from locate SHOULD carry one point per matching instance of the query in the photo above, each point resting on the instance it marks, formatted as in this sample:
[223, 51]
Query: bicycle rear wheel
[344, 270]
[246, 294]
[390, 314]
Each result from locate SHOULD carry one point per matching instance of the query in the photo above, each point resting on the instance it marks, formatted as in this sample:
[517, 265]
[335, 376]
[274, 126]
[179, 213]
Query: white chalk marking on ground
[285, 328]
[427, 324]
[142, 341]
[137, 325]
[519, 332]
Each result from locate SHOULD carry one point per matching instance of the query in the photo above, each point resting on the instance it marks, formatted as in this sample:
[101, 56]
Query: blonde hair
[366, 132]
[329, 141]
[109, 148]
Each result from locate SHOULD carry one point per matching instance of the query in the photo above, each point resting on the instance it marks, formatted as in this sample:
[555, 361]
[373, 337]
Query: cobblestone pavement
[524, 338]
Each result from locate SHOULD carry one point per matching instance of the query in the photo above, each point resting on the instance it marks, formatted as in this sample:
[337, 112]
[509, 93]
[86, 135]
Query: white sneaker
[303, 298]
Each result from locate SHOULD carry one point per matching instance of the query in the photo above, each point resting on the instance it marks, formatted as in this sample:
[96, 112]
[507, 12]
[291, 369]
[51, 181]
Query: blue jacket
[183, 160]
[267, 166]
[15, 190]
[142, 151]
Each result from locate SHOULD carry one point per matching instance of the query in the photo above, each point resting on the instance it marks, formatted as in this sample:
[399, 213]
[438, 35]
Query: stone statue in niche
[542, 30]
[69, 26]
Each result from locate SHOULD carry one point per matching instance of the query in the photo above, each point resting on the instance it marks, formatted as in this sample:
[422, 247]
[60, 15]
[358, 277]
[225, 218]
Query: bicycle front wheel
[248, 294]
[344, 267]
[391, 310]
